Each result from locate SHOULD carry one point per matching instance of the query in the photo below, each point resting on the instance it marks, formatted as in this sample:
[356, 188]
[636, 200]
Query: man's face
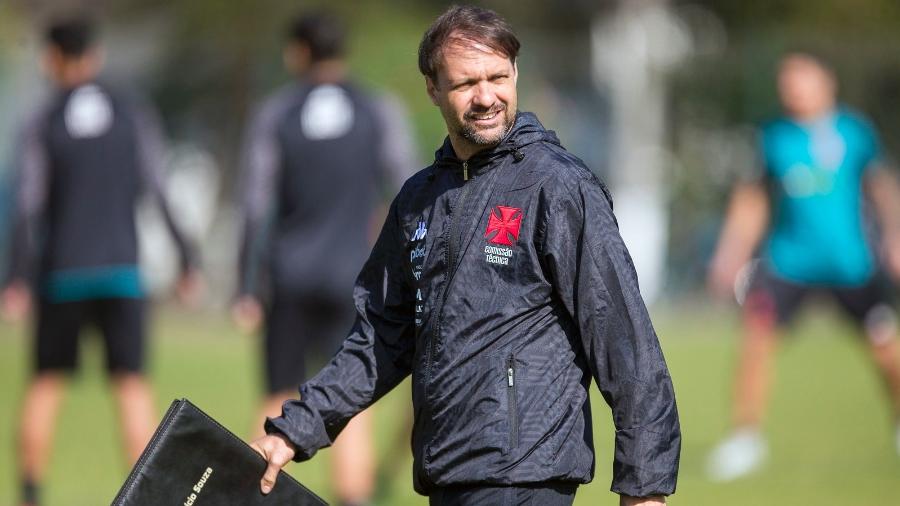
[476, 92]
[296, 57]
[68, 71]
[806, 89]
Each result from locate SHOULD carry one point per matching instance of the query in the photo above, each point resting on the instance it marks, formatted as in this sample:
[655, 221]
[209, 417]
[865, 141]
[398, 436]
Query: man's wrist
[290, 444]
[655, 500]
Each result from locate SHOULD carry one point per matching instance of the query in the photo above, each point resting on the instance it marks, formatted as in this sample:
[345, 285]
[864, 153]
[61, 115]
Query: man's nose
[484, 95]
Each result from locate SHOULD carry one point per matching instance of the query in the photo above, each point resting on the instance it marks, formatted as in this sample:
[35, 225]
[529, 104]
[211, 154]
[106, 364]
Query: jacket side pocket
[512, 402]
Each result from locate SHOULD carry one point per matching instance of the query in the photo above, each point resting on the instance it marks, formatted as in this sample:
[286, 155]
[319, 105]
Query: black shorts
[300, 329]
[543, 494]
[773, 298]
[119, 320]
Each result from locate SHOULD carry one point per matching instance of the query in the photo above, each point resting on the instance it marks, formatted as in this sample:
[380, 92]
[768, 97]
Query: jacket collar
[526, 130]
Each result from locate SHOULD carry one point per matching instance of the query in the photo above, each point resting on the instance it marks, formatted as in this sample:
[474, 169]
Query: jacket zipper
[451, 261]
[512, 402]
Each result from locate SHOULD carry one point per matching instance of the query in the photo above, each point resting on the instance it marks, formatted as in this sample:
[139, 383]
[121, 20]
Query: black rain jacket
[502, 285]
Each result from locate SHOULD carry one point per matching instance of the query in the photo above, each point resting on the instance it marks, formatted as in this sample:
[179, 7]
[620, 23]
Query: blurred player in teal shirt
[805, 214]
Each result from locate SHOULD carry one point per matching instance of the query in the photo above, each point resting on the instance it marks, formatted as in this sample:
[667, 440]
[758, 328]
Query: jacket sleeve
[31, 187]
[596, 282]
[260, 171]
[151, 147]
[374, 358]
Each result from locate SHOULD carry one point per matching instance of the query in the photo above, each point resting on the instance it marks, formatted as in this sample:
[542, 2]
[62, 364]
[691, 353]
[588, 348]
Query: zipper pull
[510, 377]
[466, 170]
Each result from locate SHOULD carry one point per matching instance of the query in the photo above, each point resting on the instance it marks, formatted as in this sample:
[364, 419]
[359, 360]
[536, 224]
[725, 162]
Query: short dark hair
[810, 55]
[322, 32]
[467, 23]
[73, 37]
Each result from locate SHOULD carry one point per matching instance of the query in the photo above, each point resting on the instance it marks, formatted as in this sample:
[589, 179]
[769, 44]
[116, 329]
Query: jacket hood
[526, 130]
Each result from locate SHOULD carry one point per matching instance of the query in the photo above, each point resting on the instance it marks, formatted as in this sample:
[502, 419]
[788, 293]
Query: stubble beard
[468, 131]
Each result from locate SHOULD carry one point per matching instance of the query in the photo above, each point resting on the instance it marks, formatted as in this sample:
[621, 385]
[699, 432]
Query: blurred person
[320, 157]
[83, 160]
[500, 282]
[805, 209]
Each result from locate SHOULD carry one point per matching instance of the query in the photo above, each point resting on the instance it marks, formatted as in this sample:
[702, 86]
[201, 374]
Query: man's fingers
[269, 477]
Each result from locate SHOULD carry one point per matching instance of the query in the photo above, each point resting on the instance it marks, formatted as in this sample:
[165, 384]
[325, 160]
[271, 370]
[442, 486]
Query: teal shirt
[816, 172]
[107, 282]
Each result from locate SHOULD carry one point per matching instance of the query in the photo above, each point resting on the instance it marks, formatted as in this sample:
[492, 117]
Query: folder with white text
[192, 460]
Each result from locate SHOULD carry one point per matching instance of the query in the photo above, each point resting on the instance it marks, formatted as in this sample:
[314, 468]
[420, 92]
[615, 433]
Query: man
[319, 155]
[500, 282]
[816, 162]
[83, 160]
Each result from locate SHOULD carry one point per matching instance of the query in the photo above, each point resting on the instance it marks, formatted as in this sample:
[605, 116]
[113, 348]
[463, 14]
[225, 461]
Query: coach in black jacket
[500, 282]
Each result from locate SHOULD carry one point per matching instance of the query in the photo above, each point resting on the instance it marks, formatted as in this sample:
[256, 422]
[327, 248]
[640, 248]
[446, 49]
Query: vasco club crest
[503, 229]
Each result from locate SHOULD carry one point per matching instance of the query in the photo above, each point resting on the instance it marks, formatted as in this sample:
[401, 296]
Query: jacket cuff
[302, 427]
[646, 462]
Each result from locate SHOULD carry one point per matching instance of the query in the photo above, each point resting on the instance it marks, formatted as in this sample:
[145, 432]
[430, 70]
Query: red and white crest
[503, 228]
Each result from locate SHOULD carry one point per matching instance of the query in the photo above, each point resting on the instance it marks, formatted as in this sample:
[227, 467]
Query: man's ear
[95, 59]
[515, 72]
[431, 89]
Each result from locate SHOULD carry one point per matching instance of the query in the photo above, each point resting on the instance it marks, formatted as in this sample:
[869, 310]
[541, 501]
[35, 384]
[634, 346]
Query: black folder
[192, 460]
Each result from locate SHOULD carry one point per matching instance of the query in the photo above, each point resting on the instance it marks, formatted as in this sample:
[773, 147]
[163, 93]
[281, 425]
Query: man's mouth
[484, 117]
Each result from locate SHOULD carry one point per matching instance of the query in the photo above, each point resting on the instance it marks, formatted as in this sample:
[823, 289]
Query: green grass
[829, 426]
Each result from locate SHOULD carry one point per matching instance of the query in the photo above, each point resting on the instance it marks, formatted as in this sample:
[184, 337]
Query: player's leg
[353, 461]
[137, 411]
[756, 352]
[770, 304]
[871, 307]
[353, 452]
[37, 425]
[56, 355]
[122, 323]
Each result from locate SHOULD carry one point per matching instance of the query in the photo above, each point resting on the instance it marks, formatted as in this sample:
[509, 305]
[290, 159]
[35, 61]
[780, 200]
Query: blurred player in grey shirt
[321, 156]
[84, 159]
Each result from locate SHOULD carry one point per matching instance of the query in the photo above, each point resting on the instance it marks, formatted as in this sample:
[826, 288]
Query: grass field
[829, 427]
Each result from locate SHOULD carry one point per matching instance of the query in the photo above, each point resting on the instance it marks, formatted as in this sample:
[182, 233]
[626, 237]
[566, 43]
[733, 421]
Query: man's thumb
[269, 477]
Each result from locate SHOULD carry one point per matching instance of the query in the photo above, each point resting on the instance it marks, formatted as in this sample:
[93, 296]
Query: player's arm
[397, 150]
[397, 159]
[260, 166]
[151, 147]
[745, 225]
[594, 278]
[30, 200]
[883, 191]
[375, 357]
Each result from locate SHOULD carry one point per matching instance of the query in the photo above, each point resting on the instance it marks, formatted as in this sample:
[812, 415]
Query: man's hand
[891, 254]
[190, 288]
[656, 500]
[16, 301]
[722, 276]
[247, 314]
[277, 451]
